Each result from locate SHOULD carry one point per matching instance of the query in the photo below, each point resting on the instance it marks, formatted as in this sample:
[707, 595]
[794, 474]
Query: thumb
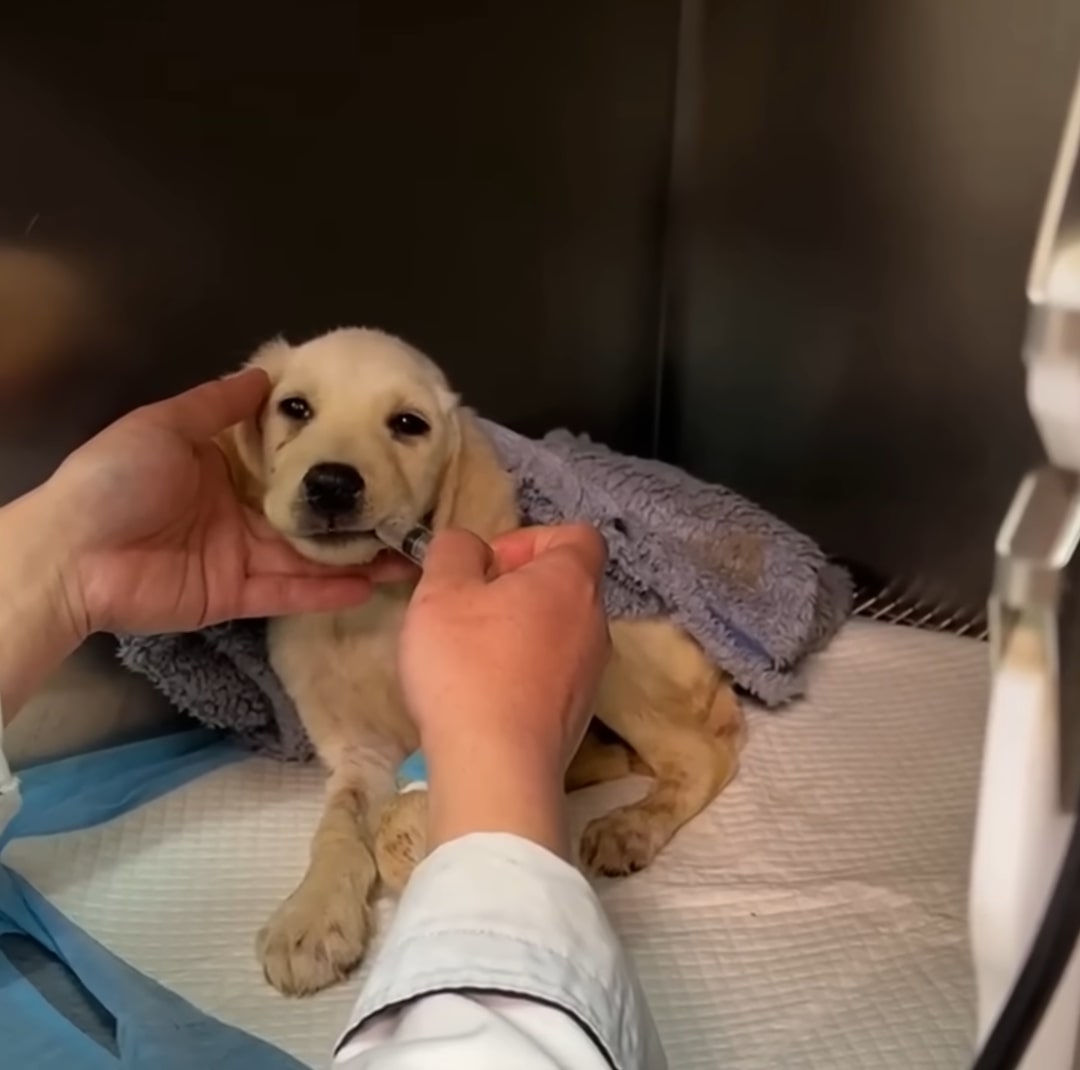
[582, 541]
[455, 557]
[208, 409]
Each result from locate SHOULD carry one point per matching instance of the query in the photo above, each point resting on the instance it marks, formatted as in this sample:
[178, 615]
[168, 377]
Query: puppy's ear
[476, 494]
[242, 444]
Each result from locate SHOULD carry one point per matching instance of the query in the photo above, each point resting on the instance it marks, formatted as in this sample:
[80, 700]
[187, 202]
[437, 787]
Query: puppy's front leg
[320, 933]
[401, 838]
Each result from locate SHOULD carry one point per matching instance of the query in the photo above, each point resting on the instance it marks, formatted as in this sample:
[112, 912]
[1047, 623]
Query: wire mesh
[915, 603]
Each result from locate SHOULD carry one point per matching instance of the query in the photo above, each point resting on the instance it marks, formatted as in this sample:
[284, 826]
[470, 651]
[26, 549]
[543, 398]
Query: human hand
[155, 538]
[500, 655]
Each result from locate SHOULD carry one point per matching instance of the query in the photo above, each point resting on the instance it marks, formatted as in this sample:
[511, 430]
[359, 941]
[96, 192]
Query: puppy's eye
[295, 408]
[408, 425]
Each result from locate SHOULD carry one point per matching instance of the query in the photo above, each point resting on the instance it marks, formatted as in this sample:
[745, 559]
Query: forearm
[37, 628]
[479, 786]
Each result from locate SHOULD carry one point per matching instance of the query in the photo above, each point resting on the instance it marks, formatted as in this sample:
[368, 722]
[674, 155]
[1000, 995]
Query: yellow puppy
[361, 427]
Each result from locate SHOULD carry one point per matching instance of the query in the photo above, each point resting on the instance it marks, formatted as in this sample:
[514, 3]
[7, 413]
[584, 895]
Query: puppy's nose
[332, 489]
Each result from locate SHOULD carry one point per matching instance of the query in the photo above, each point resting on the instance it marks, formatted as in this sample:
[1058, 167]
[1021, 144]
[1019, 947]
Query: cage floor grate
[914, 603]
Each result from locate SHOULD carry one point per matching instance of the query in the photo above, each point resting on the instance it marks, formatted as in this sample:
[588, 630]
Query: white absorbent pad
[813, 917]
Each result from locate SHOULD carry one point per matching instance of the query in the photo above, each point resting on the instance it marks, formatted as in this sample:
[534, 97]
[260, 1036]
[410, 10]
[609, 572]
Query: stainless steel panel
[486, 179]
[870, 179]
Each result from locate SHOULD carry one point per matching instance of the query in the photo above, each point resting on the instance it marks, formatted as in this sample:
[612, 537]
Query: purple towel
[757, 595]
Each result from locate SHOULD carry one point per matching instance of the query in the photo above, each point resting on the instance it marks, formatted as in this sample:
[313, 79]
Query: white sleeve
[500, 955]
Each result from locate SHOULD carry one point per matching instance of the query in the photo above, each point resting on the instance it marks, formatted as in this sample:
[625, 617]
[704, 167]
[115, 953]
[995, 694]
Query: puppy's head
[360, 428]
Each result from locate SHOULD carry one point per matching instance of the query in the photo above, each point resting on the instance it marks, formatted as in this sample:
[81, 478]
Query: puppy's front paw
[401, 839]
[316, 937]
[619, 843]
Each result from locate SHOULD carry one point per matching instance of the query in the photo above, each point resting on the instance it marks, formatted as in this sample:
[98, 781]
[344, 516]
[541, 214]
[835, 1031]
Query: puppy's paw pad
[617, 844]
[312, 942]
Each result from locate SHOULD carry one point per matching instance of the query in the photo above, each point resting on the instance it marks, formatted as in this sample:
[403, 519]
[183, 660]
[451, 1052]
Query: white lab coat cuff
[496, 913]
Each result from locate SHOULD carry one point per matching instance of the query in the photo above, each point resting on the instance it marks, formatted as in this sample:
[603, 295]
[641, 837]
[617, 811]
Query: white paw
[317, 936]
[620, 843]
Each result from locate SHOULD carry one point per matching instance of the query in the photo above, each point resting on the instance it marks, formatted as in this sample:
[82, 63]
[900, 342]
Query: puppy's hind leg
[693, 752]
[599, 760]
[320, 933]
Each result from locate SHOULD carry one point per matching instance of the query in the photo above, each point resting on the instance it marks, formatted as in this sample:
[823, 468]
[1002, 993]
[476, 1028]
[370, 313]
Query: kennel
[780, 245]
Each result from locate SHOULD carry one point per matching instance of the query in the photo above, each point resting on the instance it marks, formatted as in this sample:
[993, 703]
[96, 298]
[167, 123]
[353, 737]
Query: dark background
[781, 243]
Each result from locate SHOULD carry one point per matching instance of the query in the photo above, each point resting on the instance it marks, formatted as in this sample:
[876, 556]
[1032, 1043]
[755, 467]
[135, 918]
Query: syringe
[411, 540]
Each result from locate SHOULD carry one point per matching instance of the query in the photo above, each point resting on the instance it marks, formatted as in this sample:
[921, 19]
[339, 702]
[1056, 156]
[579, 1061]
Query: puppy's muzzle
[333, 492]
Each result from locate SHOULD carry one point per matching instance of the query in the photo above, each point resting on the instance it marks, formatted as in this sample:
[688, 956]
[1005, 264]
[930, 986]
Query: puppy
[360, 426]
